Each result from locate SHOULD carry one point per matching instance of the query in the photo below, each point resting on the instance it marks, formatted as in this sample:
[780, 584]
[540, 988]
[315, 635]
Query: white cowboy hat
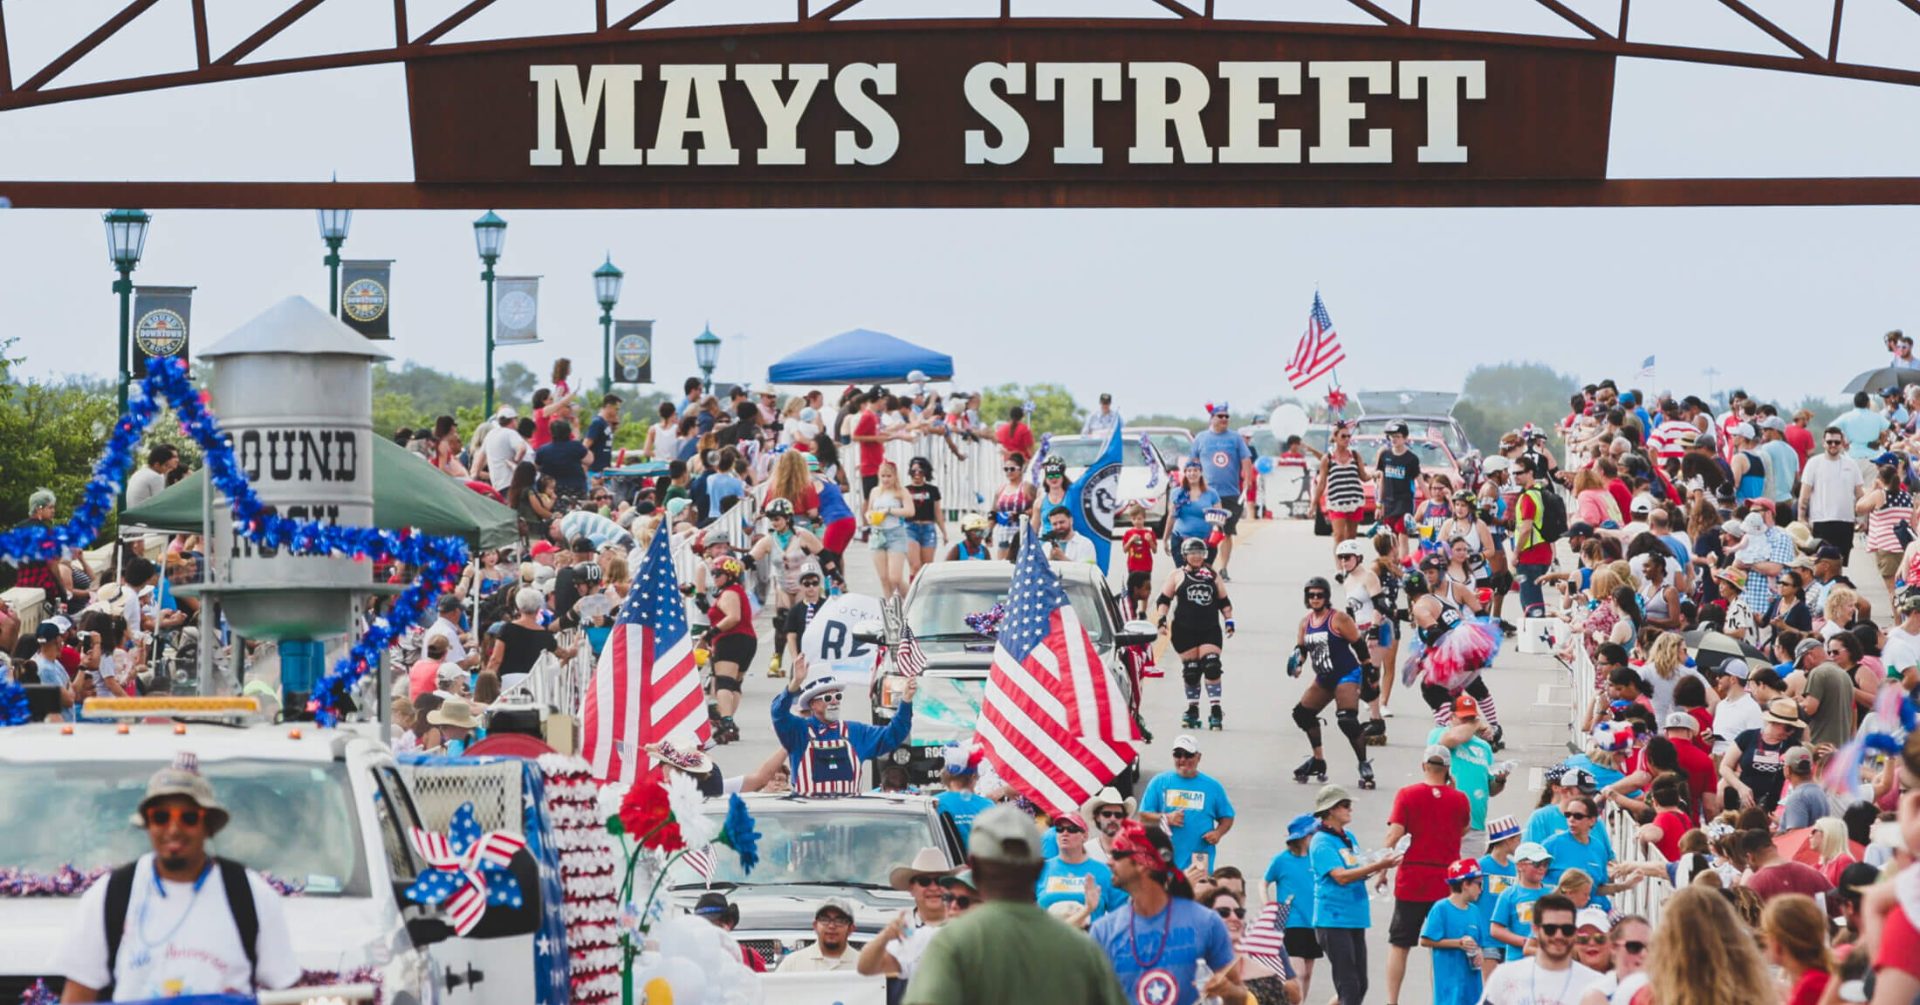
[1108, 796]
[926, 862]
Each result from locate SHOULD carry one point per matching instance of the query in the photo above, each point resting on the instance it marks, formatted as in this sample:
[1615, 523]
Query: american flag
[1646, 370]
[908, 658]
[1265, 941]
[1054, 722]
[645, 686]
[1319, 349]
[700, 860]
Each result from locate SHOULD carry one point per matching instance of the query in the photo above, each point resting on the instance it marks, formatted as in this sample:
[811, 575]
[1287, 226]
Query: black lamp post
[706, 352]
[126, 239]
[489, 238]
[333, 230]
[606, 288]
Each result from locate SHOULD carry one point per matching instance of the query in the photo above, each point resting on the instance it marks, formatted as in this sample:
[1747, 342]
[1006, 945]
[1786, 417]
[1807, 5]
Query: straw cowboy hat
[454, 712]
[682, 750]
[1108, 796]
[926, 862]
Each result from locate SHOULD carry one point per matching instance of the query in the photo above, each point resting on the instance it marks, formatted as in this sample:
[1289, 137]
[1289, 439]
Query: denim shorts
[926, 535]
[894, 539]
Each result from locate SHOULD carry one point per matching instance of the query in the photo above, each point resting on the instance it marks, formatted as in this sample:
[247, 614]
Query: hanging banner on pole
[366, 289]
[160, 316]
[516, 310]
[633, 352]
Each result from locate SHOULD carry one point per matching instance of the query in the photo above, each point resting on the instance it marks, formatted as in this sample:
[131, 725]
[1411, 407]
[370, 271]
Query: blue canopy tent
[860, 355]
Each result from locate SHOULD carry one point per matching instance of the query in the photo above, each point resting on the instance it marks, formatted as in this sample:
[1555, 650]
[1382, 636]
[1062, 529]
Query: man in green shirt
[1008, 949]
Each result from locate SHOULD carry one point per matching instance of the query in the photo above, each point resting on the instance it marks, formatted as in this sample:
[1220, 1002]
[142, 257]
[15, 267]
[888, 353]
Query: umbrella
[1882, 377]
[1710, 649]
[1798, 845]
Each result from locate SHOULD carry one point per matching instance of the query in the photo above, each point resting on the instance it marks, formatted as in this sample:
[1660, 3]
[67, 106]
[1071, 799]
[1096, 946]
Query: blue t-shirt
[1292, 879]
[1499, 879]
[1862, 428]
[1221, 455]
[1591, 858]
[962, 807]
[600, 435]
[1204, 802]
[1548, 820]
[561, 461]
[1064, 882]
[720, 488]
[1336, 905]
[1514, 910]
[1190, 512]
[1157, 957]
[1456, 980]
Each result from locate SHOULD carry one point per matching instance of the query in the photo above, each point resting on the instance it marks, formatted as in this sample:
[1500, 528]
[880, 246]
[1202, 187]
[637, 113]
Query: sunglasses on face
[160, 816]
[833, 920]
[1634, 948]
[1120, 856]
[1316, 595]
[1067, 829]
[1231, 912]
[1111, 815]
[1589, 940]
[1555, 929]
[810, 581]
[1579, 816]
[1182, 755]
[959, 900]
[925, 880]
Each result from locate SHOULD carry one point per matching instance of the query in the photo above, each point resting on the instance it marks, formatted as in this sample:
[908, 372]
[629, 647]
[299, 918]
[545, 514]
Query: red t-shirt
[1788, 877]
[542, 429]
[1800, 438]
[1436, 817]
[1138, 543]
[1703, 733]
[1698, 766]
[1808, 989]
[1622, 495]
[1016, 438]
[1899, 944]
[1540, 553]
[872, 452]
[1672, 824]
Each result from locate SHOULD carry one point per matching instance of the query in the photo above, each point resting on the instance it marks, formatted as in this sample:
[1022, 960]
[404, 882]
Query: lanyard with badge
[143, 956]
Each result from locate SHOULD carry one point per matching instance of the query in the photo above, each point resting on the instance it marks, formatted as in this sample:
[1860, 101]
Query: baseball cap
[1826, 550]
[1005, 834]
[1501, 828]
[834, 904]
[1579, 777]
[1464, 707]
[1796, 756]
[47, 632]
[1531, 851]
[1593, 917]
[65, 623]
[1681, 720]
[1773, 422]
[543, 548]
[1580, 528]
[1462, 871]
[1806, 646]
[1185, 743]
[1438, 754]
[1737, 669]
[1743, 429]
[1642, 503]
[506, 412]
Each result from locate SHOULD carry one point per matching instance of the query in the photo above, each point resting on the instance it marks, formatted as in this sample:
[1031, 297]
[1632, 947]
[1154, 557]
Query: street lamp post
[126, 240]
[706, 352]
[606, 288]
[333, 230]
[489, 237]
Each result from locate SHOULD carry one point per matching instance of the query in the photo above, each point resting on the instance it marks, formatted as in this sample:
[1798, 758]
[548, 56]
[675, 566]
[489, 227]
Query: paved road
[1255, 755]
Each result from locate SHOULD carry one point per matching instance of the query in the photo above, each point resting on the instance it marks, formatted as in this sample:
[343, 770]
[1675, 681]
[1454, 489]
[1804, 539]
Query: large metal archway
[1574, 68]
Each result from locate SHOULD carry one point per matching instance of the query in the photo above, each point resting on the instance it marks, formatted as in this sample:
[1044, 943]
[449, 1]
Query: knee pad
[722, 682]
[1501, 582]
[1349, 722]
[1190, 672]
[1369, 682]
[1210, 667]
[1305, 717]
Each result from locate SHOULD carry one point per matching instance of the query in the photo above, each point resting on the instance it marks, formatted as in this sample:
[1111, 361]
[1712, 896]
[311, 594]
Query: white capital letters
[1073, 85]
[1154, 110]
[693, 105]
[1001, 116]
[782, 118]
[1443, 102]
[1339, 112]
[1246, 113]
[884, 132]
[608, 86]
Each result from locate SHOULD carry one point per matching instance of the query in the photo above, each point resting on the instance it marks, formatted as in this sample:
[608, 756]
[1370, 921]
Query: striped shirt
[1672, 438]
[1345, 493]
[1898, 509]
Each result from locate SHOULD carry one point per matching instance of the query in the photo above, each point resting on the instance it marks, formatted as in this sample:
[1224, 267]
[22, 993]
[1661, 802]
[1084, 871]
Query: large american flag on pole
[645, 686]
[1054, 722]
[1318, 351]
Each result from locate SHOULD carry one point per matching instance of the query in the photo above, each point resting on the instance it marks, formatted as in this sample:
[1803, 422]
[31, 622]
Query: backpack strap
[119, 896]
[233, 877]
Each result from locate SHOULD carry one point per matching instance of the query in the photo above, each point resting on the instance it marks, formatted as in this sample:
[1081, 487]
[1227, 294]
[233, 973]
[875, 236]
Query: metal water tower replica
[294, 389]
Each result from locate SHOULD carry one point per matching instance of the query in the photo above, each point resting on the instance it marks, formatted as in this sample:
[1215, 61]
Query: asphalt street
[1255, 755]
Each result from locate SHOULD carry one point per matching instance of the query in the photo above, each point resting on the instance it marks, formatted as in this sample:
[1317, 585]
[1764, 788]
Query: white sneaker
[1386, 712]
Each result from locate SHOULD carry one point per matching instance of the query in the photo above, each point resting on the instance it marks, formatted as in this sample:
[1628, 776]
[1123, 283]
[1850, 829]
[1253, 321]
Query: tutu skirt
[1456, 658]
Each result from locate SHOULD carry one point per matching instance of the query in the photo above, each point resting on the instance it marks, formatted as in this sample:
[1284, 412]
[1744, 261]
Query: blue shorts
[926, 535]
[893, 539]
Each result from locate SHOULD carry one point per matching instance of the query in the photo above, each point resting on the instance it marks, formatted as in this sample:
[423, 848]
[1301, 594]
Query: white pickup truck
[325, 811]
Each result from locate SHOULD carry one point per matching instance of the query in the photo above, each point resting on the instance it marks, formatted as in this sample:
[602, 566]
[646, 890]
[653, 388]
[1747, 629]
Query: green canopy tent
[407, 492]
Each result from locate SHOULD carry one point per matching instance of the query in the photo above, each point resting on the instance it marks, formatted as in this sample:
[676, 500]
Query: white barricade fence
[966, 484]
[1648, 897]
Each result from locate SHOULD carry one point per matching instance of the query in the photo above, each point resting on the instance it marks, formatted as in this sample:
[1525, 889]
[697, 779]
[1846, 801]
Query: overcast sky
[1165, 308]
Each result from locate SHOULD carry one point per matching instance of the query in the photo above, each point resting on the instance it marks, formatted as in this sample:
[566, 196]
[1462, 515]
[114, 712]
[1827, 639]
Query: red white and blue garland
[439, 559]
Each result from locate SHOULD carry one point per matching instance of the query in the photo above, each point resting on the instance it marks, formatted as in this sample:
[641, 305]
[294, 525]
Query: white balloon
[1288, 420]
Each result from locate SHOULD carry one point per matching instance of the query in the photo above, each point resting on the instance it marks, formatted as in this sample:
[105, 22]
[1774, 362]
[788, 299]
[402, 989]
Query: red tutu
[1457, 658]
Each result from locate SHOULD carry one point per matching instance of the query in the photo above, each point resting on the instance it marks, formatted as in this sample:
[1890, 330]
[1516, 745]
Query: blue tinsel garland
[439, 559]
[13, 704]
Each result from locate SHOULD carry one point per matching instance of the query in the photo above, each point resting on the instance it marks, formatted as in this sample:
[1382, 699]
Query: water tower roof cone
[296, 326]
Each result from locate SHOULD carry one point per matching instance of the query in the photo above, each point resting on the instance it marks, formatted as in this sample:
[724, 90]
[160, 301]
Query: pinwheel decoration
[467, 869]
[1336, 401]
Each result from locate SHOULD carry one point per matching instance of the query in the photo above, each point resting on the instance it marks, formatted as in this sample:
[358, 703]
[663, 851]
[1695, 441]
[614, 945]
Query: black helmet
[1317, 583]
[1193, 544]
[1435, 561]
[1396, 427]
[779, 506]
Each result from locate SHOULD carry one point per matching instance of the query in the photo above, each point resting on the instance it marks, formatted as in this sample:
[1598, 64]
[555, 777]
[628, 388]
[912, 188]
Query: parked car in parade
[953, 687]
[1174, 443]
[813, 849]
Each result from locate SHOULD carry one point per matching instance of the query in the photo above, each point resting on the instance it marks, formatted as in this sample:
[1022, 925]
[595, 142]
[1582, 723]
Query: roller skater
[1195, 633]
[1329, 644]
[731, 641]
[1447, 654]
[1371, 607]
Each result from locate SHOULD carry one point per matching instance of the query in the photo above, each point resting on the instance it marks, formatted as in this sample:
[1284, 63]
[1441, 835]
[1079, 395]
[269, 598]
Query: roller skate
[773, 667]
[1375, 732]
[1192, 719]
[1312, 767]
[1366, 775]
[1499, 741]
[1214, 722]
[725, 731]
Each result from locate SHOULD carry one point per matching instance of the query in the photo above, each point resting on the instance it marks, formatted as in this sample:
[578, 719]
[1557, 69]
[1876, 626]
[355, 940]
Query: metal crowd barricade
[1648, 897]
[966, 484]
